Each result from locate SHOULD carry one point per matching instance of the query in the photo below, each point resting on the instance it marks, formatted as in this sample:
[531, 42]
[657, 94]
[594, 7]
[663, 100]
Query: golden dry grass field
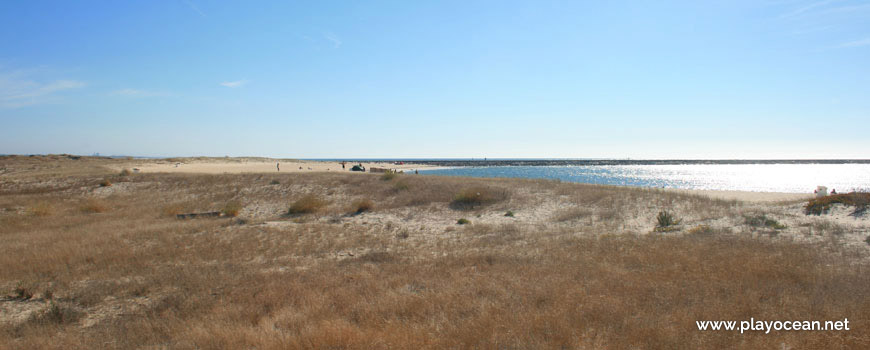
[91, 258]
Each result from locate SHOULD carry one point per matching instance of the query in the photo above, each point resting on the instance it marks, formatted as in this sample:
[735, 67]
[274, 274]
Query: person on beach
[278, 165]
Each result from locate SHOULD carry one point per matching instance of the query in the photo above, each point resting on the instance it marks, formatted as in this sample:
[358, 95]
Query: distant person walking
[278, 165]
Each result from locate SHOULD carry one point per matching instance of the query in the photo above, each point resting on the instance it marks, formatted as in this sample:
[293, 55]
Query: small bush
[57, 314]
[23, 293]
[94, 206]
[125, 172]
[763, 221]
[389, 176]
[665, 221]
[307, 205]
[275, 182]
[463, 221]
[819, 206]
[509, 214]
[232, 208]
[478, 196]
[362, 205]
[105, 183]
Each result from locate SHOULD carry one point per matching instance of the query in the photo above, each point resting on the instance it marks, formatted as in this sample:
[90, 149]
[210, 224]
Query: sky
[437, 79]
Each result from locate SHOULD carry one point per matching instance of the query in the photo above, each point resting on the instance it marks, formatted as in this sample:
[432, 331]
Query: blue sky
[330, 79]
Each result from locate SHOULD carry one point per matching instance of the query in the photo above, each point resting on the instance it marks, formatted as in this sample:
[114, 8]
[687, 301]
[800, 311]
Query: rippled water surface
[794, 178]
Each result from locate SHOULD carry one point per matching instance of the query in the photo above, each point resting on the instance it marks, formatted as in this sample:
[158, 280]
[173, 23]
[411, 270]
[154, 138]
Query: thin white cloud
[856, 43]
[336, 41]
[194, 8]
[16, 91]
[234, 84]
[800, 11]
[137, 93]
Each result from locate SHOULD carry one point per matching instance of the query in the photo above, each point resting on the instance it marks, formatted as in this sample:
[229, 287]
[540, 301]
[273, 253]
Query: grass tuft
[232, 208]
[463, 221]
[360, 206]
[105, 183]
[761, 220]
[307, 205]
[665, 221]
[478, 196]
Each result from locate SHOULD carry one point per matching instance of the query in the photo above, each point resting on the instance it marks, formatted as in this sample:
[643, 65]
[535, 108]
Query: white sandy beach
[261, 166]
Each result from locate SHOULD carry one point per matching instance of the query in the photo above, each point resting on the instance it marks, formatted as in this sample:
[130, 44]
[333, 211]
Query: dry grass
[95, 206]
[360, 206]
[396, 278]
[307, 205]
[478, 196]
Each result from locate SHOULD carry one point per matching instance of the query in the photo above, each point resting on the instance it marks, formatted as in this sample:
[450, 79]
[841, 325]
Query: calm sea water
[793, 178]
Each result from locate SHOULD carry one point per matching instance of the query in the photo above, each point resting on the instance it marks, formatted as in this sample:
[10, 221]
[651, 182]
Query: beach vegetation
[477, 196]
[308, 204]
[463, 221]
[822, 205]
[105, 183]
[666, 221]
[232, 208]
[360, 206]
[94, 206]
[762, 220]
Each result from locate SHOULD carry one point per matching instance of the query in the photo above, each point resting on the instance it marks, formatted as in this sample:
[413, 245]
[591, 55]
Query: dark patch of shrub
[105, 183]
[821, 205]
[665, 221]
[509, 214]
[463, 221]
[125, 172]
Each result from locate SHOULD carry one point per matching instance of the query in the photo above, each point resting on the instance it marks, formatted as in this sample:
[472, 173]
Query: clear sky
[335, 79]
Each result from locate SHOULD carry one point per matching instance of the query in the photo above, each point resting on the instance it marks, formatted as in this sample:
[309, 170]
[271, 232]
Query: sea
[793, 177]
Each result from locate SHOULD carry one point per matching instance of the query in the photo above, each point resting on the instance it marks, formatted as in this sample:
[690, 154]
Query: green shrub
[665, 220]
[463, 221]
[509, 214]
